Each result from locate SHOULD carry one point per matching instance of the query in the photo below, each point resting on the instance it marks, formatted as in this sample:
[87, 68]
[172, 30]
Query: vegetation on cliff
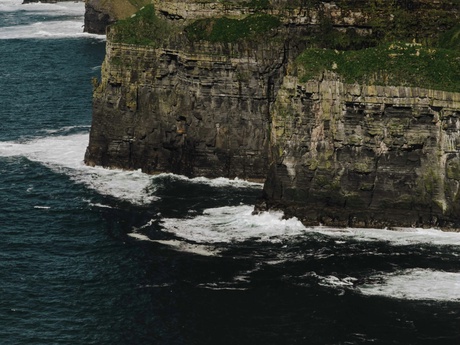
[119, 9]
[142, 28]
[451, 39]
[404, 64]
[231, 30]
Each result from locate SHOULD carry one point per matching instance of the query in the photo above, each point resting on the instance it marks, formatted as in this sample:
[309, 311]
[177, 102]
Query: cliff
[207, 88]
[365, 155]
[187, 106]
[198, 110]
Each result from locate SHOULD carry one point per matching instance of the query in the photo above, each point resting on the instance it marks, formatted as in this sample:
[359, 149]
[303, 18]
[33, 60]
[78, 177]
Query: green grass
[143, 28]
[402, 64]
[451, 39]
[231, 30]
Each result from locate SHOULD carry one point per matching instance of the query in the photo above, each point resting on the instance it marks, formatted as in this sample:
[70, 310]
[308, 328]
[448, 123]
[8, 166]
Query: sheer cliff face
[335, 154]
[364, 156]
[196, 107]
[199, 110]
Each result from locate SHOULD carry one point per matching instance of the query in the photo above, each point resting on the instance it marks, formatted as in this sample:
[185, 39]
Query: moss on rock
[231, 30]
[142, 28]
[402, 64]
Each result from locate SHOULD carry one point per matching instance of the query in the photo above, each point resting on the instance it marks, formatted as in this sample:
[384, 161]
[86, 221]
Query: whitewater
[90, 255]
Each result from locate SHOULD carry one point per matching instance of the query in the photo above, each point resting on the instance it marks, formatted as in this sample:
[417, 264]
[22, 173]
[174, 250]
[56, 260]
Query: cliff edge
[99, 14]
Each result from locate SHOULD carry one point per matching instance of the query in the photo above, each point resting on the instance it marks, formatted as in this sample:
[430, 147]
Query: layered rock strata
[335, 153]
[197, 109]
[364, 155]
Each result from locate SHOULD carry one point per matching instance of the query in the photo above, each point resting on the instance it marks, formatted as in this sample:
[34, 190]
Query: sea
[102, 256]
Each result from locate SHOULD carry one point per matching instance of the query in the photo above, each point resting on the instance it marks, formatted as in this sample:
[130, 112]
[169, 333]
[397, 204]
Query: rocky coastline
[332, 152]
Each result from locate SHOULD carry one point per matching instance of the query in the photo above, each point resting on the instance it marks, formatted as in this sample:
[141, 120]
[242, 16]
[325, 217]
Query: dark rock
[190, 109]
[96, 19]
[370, 160]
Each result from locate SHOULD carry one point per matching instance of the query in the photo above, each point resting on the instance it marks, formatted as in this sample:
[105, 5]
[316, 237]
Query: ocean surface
[95, 256]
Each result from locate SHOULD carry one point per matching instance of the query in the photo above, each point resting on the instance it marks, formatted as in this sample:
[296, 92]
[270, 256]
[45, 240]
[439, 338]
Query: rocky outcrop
[196, 109]
[365, 156]
[97, 19]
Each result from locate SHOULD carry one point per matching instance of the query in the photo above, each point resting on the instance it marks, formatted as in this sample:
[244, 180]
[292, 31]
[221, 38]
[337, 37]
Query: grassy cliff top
[147, 28]
[231, 30]
[119, 9]
[142, 28]
[403, 64]
[386, 56]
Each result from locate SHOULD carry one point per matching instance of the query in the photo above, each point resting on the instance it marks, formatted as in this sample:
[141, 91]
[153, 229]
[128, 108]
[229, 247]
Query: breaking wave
[49, 21]
[47, 29]
[64, 154]
[234, 224]
[416, 284]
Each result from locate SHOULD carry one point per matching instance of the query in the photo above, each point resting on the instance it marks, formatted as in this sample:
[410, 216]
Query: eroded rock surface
[199, 110]
[364, 155]
[335, 153]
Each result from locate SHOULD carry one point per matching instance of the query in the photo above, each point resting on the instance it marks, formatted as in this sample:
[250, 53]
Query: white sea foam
[215, 182]
[42, 207]
[333, 281]
[179, 245]
[46, 29]
[59, 8]
[64, 130]
[233, 224]
[416, 284]
[71, 25]
[237, 223]
[64, 154]
[400, 237]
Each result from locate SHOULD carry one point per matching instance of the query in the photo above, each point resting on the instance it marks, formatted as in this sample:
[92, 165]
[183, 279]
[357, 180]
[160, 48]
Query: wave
[64, 154]
[399, 237]
[60, 8]
[416, 284]
[179, 245]
[62, 150]
[59, 20]
[219, 182]
[234, 224]
[65, 129]
[237, 224]
[47, 30]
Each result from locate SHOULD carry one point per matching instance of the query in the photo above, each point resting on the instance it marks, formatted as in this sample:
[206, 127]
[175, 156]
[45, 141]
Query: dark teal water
[91, 256]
